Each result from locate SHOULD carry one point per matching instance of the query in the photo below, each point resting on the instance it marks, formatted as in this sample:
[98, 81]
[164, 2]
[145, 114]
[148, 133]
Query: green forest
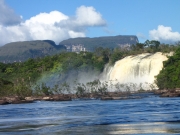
[20, 78]
[169, 76]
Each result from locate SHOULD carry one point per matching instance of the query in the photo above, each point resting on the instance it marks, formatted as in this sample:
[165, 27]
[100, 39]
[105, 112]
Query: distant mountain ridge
[107, 42]
[21, 51]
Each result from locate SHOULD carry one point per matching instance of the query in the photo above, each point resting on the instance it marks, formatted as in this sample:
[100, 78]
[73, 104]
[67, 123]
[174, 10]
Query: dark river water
[148, 115]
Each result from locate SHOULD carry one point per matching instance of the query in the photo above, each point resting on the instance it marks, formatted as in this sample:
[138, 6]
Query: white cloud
[164, 34]
[55, 26]
[47, 18]
[140, 35]
[7, 15]
[87, 16]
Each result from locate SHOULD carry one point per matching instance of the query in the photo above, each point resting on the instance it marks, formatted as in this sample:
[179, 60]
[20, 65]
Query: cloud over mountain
[164, 34]
[54, 25]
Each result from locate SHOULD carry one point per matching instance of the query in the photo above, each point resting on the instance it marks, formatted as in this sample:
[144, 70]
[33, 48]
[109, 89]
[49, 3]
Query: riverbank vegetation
[20, 78]
[169, 76]
[24, 75]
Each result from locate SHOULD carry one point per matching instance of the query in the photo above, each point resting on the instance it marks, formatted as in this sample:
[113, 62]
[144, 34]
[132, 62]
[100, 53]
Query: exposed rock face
[168, 93]
[69, 97]
[58, 97]
[61, 98]
[89, 44]
[3, 102]
[47, 98]
[18, 100]
[13, 100]
[29, 98]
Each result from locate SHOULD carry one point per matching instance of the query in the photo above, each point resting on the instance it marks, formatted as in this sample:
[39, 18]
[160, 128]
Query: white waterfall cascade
[137, 72]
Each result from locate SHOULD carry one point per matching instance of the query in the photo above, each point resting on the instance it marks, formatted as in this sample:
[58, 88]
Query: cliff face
[21, 51]
[107, 42]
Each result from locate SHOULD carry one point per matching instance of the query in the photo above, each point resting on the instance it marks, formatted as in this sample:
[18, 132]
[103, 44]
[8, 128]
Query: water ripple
[149, 115]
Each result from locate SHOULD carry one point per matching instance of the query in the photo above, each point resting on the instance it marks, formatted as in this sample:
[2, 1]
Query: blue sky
[148, 19]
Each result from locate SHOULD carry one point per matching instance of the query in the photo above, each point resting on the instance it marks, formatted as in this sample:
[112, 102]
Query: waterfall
[130, 73]
[106, 73]
[139, 70]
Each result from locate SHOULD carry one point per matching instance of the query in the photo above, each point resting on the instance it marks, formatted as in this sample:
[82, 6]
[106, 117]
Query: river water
[147, 115]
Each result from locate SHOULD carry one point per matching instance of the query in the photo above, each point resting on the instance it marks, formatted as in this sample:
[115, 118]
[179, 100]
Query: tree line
[19, 77]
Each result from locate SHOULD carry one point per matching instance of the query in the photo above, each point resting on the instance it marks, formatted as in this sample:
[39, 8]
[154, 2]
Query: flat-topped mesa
[89, 44]
[21, 51]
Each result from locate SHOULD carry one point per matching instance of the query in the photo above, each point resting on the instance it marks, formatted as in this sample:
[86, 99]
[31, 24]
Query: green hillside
[52, 73]
[105, 42]
[21, 51]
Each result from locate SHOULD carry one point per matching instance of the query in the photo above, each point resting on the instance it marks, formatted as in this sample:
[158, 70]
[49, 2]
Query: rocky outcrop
[168, 93]
[56, 98]
[120, 98]
[61, 98]
[13, 100]
[3, 102]
[18, 100]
